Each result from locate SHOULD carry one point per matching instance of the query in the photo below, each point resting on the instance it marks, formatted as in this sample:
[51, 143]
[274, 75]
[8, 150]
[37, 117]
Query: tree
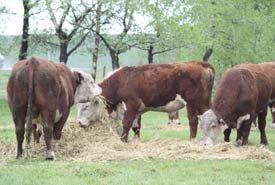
[97, 39]
[68, 25]
[166, 28]
[236, 31]
[23, 53]
[121, 14]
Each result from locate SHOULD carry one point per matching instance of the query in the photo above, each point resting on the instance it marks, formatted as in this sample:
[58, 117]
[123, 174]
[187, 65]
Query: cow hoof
[264, 143]
[124, 140]
[272, 125]
[239, 142]
[50, 156]
[19, 156]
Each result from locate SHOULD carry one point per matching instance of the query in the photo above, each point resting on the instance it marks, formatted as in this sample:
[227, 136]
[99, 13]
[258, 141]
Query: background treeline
[91, 34]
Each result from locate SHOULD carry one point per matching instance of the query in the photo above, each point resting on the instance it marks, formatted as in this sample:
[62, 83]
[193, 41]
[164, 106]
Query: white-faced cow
[158, 87]
[243, 93]
[38, 88]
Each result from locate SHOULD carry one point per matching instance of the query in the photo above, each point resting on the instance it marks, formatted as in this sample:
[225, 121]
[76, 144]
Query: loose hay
[101, 142]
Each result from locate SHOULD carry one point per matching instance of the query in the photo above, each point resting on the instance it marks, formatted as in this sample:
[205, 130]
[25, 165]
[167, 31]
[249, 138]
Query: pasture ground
[162, 156]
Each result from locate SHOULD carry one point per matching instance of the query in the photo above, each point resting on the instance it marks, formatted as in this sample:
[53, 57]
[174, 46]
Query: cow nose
[203, 143]
[80, 122]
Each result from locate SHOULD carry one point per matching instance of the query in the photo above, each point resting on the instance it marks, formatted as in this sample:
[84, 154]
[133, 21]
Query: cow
[42, 90]
[272, 110]
[244, 92]
[158, 87]
[173, 118]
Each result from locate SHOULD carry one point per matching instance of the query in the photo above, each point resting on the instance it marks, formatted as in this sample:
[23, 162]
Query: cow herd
[41, 92]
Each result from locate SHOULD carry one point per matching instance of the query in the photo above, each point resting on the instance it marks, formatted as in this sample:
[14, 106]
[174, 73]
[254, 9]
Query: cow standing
[243, 93]
[39, 88]
[158, 87]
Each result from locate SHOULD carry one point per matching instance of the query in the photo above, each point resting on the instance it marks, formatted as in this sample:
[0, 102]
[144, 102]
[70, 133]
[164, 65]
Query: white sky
[12, 24]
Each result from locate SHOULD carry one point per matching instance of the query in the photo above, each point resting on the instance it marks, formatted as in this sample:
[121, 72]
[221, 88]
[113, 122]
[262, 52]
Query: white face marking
[241, 119]
[210, 128]
[273, 109]
[87, 89]
[89, 112]
[171, 106]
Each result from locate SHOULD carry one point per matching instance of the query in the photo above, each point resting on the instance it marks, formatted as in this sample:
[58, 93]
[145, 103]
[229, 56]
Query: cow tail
[30, 100]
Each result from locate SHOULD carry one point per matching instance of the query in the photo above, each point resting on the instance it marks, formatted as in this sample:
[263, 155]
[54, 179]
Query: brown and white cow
[158, 87]
[243, 93]
[173, 118]
[272, 110]
[39, 88]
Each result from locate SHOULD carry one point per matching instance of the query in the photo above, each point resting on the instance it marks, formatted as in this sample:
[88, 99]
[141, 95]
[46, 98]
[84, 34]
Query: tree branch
[79, 43]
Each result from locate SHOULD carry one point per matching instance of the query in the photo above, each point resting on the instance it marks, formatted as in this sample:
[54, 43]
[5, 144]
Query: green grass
[38, 171]
[158, 172]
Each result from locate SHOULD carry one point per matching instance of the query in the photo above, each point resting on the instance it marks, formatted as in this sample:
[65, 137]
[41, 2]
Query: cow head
[88, 112]
[92, 111]
[211, 127]
[86, 89]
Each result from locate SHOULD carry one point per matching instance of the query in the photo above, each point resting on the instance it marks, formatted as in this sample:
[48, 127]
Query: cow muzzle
[207, 142]
[82, 123]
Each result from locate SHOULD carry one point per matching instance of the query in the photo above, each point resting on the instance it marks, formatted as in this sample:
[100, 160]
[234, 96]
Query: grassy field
[150, 171]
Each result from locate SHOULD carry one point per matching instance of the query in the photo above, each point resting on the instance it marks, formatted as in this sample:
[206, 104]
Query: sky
[12, 24]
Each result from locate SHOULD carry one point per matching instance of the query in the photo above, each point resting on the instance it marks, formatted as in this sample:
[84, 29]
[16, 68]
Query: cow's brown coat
[157, 84]
[44, 89]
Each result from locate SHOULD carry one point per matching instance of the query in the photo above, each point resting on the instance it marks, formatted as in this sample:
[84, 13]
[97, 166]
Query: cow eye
[213, 125]
[96, 102]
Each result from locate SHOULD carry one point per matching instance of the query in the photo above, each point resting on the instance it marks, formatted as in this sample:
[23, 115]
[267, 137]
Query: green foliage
[238, 31]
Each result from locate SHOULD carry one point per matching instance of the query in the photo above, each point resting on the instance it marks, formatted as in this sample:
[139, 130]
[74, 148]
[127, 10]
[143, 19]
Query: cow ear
[78, 77]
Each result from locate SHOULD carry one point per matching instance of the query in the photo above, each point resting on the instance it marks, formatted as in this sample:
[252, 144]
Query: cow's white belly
[171, 106]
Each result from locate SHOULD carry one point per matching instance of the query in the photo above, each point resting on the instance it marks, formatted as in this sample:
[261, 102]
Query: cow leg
[173, 118]
[128, 119]
[20, 131]
[19, 117]
[244, 130]
[239, 137]
[57, 131]
[48, 121]
[227, 133]
[136, 128]
[272, 110]
[261, 126]
[35, 133]
[193, 121]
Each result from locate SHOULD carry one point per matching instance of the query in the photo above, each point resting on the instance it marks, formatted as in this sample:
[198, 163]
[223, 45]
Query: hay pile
[101, 142]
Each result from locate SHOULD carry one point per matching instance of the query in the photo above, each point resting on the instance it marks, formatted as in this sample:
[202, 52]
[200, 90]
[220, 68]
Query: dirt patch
[101, 142]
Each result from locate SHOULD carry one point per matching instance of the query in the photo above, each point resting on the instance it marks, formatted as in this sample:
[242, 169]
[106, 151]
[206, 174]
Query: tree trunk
[63, 55]
[95, 56]
[115, 59]
[97, 41]
[150, 54]
[24, 43]
[207, 54]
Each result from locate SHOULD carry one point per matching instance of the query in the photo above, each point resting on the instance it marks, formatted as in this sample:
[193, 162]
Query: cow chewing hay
[100, 142]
